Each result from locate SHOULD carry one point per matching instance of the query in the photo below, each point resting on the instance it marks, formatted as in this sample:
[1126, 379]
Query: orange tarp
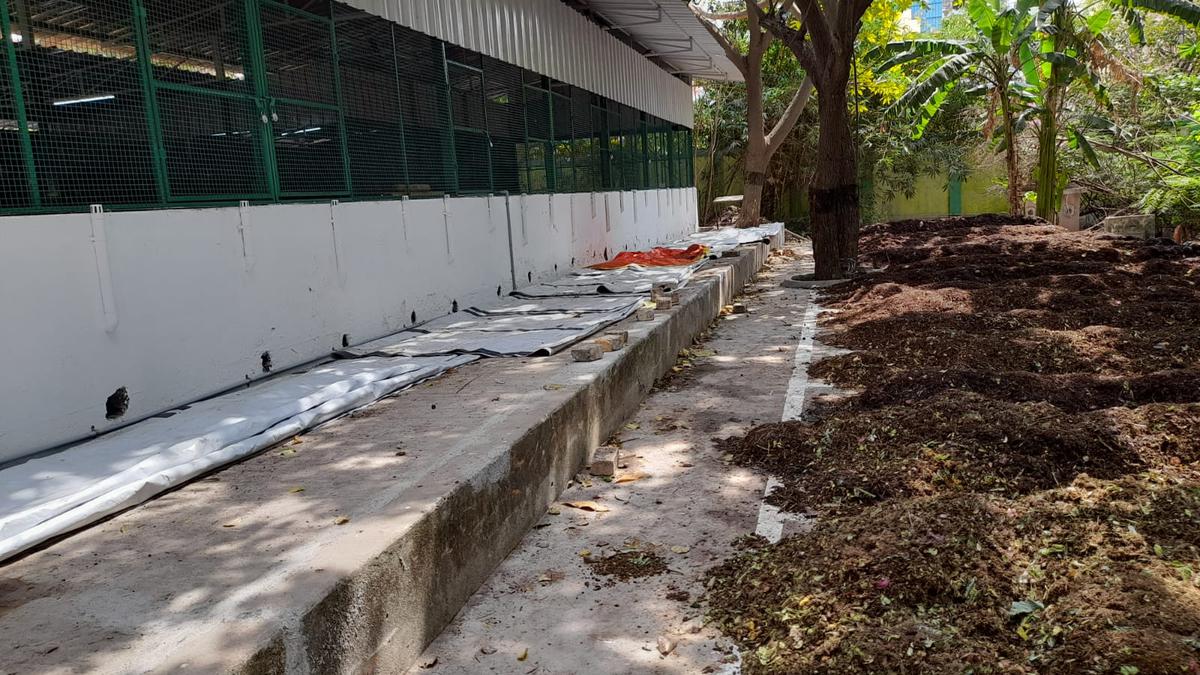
[655, 257]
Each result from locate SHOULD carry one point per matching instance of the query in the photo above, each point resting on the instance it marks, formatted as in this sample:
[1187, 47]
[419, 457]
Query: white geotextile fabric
[728, 239]
[49, 495]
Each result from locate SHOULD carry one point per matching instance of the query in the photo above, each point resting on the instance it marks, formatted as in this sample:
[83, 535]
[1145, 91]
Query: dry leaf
[524, 655]
[633, 426]
[587, 506]
[665, 645]
[341, 520]
[287, 452]
[630, 477]
[584, 553]
[229, 525]
[296, 489]
[552, 387]
[554, 510]
[680, 549]
[297, 441]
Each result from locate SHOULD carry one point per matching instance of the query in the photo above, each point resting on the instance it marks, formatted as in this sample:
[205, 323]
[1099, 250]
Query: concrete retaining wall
[380, 617]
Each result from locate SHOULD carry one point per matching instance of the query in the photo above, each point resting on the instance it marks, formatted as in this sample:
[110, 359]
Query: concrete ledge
[256, 570]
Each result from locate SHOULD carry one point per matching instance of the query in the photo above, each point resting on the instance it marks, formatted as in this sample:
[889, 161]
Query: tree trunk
[1016, 203]
[833, 194]
[1047, 173]
[752, 192]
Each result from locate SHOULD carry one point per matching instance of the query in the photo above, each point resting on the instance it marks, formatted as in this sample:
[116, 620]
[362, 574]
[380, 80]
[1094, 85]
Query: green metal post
[551, 162]
[257, 65]
[955, 197]
[14, 74]
[487, 130]
[400, 117]
[450, 119]
[158, 151]
[341, 106]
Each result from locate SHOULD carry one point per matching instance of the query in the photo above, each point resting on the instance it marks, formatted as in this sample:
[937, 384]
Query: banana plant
[993, 63]
[1030, 60]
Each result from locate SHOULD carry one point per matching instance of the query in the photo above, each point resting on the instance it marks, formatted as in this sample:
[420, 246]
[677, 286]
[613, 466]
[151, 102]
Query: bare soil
[1014, 483]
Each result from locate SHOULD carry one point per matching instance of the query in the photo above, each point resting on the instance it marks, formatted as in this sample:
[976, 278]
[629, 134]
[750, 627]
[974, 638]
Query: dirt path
[608, 591]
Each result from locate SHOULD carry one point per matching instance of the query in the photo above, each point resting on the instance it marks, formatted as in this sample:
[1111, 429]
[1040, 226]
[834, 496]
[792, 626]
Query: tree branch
[794, 38]
[790, 116]
[731, 53]
[816, 22]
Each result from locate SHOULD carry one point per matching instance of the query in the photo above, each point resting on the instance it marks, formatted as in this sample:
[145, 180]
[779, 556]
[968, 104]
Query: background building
[197, 194]
[927, 15]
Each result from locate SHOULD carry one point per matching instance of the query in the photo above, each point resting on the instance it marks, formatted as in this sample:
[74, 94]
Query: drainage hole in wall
[345, 340]
[606, 254]
[266, 361]
[412, 318]
[117, 404]
[572, 260]
[454, 307]
[530, 277]
[498, 291]
[555, 267]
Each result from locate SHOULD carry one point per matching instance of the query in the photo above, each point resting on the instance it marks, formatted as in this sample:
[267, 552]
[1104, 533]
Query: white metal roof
[672, 32]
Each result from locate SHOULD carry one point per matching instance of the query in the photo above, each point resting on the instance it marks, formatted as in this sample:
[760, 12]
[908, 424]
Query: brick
[621, 337]
[645, 314]
[587, 352]
[607, 343]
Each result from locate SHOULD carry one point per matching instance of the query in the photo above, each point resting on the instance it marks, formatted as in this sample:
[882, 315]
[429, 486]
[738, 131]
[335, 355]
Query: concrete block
[604, 461]
[1138, 225]
[663, 303]
[739, 308]
[645, 314]
[608, 343]
[587, 352]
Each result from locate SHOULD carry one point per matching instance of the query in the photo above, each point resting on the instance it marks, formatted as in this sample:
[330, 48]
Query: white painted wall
[176, 305]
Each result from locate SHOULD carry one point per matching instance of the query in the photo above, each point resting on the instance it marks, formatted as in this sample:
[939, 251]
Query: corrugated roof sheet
[672, 32]
[550, 38]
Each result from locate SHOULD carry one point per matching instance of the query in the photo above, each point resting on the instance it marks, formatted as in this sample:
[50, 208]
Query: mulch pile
[1013, 485]
[628, 565]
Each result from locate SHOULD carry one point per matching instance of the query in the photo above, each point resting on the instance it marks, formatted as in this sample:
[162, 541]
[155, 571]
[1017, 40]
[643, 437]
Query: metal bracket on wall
[524, 230]
[404, 220]
[512, 256]
[108, 304]
[446, 226]
[243, 226]
[337, 253]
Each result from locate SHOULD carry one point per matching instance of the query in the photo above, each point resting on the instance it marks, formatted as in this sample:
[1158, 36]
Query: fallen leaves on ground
[594, 507]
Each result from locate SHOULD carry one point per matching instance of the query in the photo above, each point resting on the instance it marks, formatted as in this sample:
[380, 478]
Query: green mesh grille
[148, 103]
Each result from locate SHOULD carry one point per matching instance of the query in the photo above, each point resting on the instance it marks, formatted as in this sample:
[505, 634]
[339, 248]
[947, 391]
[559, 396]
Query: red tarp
[655, 257]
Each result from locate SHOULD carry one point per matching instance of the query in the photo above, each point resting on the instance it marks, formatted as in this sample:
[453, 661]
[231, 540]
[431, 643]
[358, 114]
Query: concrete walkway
[350, 548]
[545, 609]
